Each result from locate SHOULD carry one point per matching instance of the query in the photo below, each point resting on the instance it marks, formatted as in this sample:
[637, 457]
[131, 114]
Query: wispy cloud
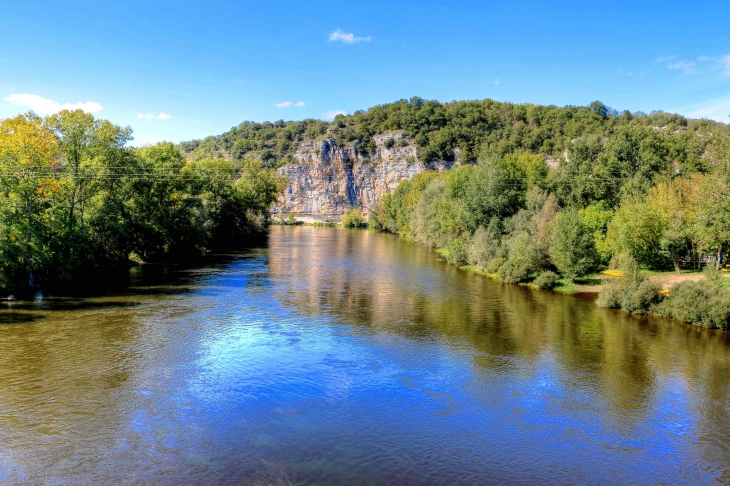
[287, 104]
[330, 115]
[664, 58]
[497, 81]
[151, 116]
[687, 67]
[704, 58]
[347, 37]
[725, 61]
[717, 109]
[44, 106]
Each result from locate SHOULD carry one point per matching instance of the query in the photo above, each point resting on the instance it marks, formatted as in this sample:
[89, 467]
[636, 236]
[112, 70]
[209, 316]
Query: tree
[28, 158]
[637, 229]
[91, 150]
[573, 249]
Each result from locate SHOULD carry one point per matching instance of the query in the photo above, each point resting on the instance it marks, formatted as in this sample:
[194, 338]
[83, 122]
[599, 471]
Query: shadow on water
[11, 317]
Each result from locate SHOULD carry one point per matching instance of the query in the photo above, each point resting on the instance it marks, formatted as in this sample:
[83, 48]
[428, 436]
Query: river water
[335, 356]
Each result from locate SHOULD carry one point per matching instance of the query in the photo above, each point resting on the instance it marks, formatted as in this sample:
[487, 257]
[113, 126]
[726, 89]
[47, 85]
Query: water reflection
[334, 357]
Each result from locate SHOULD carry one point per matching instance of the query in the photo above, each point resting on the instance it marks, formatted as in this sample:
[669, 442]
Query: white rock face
[327, 180]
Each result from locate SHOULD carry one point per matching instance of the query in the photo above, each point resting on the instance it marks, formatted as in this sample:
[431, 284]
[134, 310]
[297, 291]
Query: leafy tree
[637, 229]
[28, 158]
[573, 249]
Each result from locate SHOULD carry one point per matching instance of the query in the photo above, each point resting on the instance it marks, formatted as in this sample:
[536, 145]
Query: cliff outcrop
[328, 180]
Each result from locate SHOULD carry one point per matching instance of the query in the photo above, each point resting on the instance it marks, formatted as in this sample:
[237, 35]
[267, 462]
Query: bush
[712, 273]
[632, 291]
[389, 143]
[353, 219]
[546, 280]
[494, 265]
[700, 303]
[641, 298]
[611, 295]
[515, 270]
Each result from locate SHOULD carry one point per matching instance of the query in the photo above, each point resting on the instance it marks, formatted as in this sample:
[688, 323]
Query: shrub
[641, 298]
[403, 142]
[632, 291]
[700, 303]
[494, 265]
[389, 143]
[546, 280]
[515, 270]
[611, 295]
[353, 219]
[712, 273]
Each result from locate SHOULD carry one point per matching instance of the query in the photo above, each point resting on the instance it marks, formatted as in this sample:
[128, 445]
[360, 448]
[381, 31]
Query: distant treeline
[74, 199]
[462, 130]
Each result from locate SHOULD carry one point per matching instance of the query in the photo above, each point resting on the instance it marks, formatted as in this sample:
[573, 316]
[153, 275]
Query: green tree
[573, 249]
[28, 157]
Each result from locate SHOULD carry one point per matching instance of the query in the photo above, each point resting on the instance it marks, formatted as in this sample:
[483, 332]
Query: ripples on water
[348, 357]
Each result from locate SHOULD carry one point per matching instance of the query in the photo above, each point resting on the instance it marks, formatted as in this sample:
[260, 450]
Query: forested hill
[465, 130]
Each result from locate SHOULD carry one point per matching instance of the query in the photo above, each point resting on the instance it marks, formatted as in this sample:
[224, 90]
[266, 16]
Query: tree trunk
[719, 257]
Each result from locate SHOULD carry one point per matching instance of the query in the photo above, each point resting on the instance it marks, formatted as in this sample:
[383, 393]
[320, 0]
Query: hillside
[459, 130]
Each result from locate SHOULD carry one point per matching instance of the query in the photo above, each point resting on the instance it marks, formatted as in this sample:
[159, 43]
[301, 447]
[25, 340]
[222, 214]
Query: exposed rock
[329, 180]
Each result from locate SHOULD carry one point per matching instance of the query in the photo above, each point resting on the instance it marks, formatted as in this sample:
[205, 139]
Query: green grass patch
[588, 280]
[565, 286]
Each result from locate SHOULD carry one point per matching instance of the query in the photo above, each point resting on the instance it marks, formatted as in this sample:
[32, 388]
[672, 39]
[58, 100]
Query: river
[336, 356]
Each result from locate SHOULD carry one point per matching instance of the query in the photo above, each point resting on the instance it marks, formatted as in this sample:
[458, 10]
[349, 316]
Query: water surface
[347, 357]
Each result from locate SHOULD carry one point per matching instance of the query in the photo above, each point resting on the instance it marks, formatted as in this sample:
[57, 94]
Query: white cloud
[151, 116]
[725, 61]
[330, 115]
[717, 109]
[44, 106]
[664, 58]
[496, 81]
[704, 58]
[687, 67]
[347, 37]
[287, 104]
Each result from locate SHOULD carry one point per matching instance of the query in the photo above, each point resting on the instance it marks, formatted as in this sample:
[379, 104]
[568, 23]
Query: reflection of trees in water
[379, 282]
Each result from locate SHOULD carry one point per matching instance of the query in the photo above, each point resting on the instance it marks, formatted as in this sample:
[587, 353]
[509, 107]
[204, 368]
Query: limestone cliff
[329, 180]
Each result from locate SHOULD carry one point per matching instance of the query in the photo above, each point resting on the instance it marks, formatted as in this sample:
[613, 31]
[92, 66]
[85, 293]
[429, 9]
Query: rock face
[328, 180]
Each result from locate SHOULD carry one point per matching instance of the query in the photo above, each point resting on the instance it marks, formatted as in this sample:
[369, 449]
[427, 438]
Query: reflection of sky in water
[333, 357]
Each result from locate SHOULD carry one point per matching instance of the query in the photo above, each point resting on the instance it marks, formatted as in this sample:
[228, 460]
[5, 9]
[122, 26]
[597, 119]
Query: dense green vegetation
[467, 131]
[624, 189]
[74, 198]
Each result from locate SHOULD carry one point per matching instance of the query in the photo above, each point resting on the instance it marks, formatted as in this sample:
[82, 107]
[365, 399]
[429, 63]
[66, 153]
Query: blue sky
[183, 70]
